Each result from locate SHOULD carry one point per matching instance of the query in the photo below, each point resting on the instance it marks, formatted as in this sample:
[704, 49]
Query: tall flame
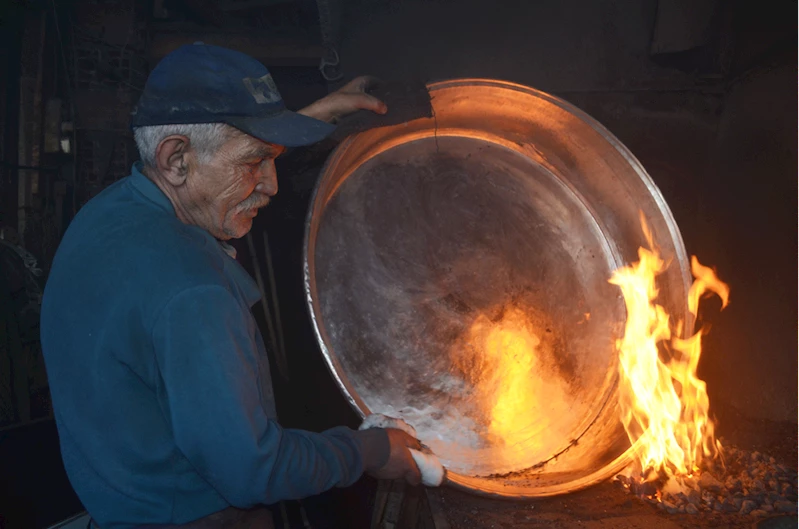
[664, 404]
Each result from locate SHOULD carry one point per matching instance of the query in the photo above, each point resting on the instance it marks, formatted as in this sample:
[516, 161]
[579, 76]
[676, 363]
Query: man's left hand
[346, 100]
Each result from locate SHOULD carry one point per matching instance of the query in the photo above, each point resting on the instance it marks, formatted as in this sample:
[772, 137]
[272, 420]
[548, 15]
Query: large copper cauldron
[457, 269]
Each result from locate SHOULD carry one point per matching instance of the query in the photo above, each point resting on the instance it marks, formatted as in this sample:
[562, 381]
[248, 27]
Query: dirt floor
[605, 506]
[609, 506]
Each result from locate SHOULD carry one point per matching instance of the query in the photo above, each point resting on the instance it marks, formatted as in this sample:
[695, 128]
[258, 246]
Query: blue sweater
[159, 376]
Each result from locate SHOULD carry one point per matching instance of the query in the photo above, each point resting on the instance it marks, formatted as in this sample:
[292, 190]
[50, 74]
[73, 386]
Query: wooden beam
[389, 501]
[437, 510]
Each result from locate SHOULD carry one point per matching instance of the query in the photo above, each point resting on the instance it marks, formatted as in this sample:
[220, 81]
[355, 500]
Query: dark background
[703, 92]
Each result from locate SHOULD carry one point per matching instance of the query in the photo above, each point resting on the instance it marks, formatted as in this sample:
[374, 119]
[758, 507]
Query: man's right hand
[346, 100]
[400, 464]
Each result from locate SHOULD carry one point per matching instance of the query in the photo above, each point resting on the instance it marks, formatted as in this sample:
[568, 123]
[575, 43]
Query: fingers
[354, 93]
[345, 101]
[407, 440]
[401, 463]
[348, 99]
[360, 84]
[361, 101]
[413, 476]
[412, 442]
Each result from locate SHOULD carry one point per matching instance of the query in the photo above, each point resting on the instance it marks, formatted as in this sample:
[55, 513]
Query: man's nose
[268, 180]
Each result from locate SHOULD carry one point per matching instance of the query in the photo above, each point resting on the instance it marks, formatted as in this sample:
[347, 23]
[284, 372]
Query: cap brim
[285, 128]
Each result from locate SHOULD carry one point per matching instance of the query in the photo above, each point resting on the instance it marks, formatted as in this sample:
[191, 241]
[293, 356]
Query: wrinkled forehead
[242, 146]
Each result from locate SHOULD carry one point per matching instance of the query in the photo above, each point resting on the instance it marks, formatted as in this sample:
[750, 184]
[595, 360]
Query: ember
[748, 483]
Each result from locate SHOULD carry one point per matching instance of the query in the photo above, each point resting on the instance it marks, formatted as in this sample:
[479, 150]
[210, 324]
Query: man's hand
[346, 100]
[400, 464]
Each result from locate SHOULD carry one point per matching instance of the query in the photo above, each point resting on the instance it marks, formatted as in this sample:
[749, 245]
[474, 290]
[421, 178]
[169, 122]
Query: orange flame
[664, 405]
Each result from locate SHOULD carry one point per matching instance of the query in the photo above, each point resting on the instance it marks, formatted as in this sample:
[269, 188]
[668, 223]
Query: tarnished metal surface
[509, 209]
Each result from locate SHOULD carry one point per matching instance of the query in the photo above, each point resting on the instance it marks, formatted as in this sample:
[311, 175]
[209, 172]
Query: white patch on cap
[263, 89]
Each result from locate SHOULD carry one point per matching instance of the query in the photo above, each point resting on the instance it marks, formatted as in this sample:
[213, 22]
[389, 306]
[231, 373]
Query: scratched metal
[507, 199]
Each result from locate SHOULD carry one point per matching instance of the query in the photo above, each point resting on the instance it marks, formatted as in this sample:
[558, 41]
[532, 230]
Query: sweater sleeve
[208, 359]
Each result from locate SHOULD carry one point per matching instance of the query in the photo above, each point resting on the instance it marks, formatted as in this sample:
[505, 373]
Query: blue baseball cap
[201, 83]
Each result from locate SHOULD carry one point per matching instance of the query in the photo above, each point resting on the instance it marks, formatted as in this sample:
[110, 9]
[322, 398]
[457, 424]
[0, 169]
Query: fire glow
[510, 347]
[663, 403]
[518, 395]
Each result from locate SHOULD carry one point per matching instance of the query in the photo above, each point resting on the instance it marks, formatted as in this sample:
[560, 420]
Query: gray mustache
[255, 201]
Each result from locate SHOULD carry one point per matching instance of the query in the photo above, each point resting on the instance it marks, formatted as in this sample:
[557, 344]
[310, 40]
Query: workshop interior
[566, 256]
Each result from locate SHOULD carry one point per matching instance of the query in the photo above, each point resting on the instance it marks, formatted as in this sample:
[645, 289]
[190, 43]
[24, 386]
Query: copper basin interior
[423, 237]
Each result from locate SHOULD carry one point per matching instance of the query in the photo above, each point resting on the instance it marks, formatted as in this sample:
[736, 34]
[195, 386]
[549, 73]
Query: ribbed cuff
[375, 448]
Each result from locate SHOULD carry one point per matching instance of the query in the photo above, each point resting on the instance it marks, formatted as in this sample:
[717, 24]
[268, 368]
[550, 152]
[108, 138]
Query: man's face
[224, 194]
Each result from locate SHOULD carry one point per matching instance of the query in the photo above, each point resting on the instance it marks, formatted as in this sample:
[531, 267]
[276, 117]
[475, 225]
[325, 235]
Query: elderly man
[159, 375]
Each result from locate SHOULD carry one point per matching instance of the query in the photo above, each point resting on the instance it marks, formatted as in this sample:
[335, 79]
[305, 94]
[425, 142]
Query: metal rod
[267, 314]
[282, 358]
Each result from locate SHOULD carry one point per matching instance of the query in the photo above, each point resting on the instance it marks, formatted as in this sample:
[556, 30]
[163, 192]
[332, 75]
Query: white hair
[205, 139]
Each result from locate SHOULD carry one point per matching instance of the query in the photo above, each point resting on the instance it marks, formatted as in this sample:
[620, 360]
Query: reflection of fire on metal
[663, 404]
[509, 357]
[520, 395]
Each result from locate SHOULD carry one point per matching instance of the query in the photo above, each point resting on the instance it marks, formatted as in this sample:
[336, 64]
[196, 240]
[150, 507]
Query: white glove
[429, 466]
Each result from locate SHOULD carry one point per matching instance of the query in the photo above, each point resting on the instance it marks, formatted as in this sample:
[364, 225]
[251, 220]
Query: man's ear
[171, 159]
